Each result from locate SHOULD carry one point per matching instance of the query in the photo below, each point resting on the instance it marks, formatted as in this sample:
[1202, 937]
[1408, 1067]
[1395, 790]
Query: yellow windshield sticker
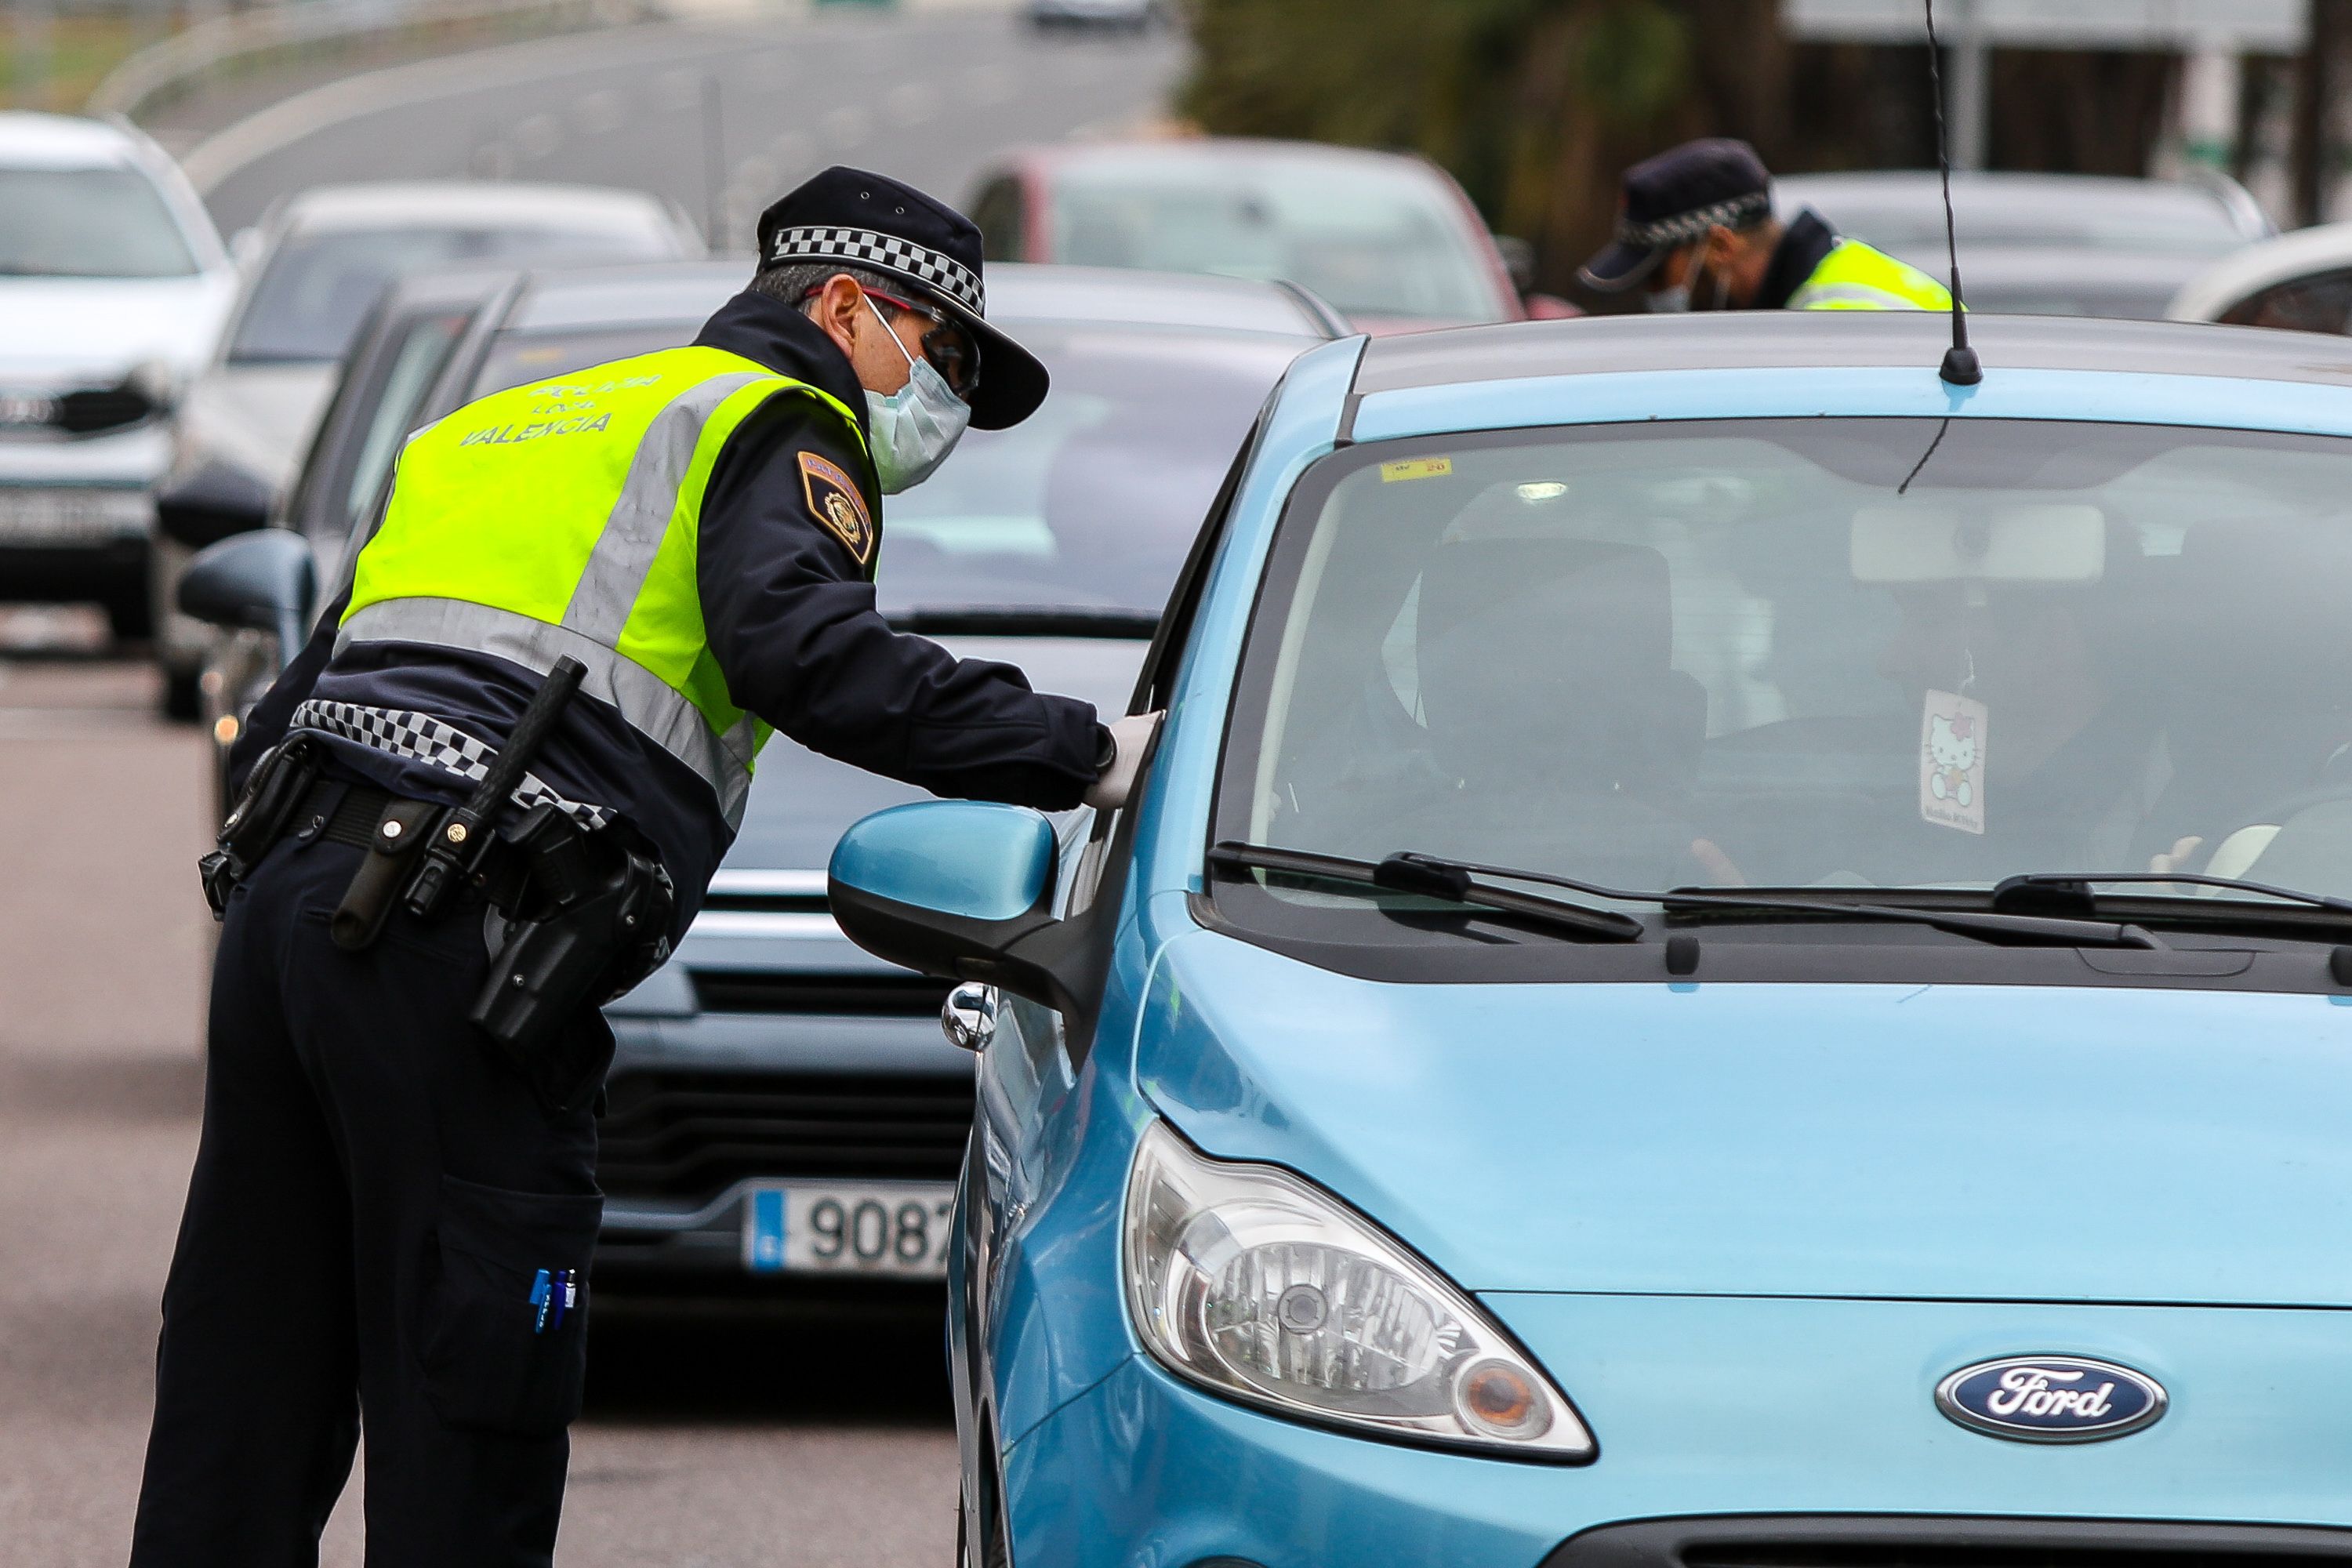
[1416, 469]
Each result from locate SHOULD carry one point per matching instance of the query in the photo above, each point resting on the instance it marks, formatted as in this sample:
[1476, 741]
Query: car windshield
[316, 289]
[1769, 652]
[87, 223]
[1089, 504]
[1372, 240]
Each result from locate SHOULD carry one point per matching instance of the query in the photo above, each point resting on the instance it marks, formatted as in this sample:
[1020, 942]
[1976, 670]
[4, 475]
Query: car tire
[183, 698]
[128, 617]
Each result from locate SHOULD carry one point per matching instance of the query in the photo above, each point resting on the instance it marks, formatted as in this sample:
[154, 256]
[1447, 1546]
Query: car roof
[67, 142]
[1790, 340]
[501, 204]
[2325, 248]
[2045, 201]
[1018, 292]
[1210, 152]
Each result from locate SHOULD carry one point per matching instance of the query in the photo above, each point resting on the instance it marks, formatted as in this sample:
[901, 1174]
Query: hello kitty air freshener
[1951, 762]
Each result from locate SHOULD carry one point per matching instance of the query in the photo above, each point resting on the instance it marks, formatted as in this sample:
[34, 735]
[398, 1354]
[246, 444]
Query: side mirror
[211, 503]
[961, 890]
[260, 582]
[1519, 260]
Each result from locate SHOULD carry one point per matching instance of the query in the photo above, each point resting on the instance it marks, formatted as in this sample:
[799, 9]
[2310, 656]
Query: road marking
[273, 129]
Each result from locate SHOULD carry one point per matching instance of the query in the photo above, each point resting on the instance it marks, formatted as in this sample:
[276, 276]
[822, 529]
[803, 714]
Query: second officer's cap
[1674, 198]
[848, 217]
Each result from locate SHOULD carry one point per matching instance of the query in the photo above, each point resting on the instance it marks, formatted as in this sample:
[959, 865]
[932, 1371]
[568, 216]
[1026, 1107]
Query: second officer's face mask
[917, 427]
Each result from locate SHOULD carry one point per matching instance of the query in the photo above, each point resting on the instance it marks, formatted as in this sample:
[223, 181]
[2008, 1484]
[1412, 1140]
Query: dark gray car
[782, 1109]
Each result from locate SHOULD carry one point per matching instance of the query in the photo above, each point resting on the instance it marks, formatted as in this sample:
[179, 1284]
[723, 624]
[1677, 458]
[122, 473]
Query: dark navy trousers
[373, 1198]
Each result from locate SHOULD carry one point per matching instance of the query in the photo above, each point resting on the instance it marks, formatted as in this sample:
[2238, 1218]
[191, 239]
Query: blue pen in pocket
[542, 1294]
[566, 1291]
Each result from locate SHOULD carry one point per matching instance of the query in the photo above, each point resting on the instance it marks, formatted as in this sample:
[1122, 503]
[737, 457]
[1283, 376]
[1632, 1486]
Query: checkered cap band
[866, 248]
[422, 738]
[1689, 226]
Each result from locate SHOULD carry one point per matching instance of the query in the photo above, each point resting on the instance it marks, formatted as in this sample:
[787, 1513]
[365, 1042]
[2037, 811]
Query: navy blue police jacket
[790, 616]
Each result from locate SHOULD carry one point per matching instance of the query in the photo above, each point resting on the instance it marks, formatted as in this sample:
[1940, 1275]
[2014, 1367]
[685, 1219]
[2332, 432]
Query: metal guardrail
[185, 61]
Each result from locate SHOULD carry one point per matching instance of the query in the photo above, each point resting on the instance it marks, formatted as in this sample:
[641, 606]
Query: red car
[1389, 240]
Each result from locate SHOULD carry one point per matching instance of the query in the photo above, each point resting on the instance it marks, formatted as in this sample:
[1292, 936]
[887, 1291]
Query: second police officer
[1695, 230]
[389, 1223]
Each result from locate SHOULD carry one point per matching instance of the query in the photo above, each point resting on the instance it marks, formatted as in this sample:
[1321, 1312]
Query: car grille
[865, 995]
[1893, 1542]
[87, 412]
[693, 1134]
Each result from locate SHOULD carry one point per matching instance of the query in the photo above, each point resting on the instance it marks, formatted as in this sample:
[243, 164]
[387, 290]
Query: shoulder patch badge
[834, 502]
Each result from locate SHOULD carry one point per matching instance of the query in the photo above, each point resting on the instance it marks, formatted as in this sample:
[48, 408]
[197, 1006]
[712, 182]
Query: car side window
[997, 214]
[2321, 303]
[1155, 685]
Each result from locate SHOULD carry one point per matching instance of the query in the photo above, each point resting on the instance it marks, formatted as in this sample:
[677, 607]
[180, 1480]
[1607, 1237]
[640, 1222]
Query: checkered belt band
[421, 738]
[864, 247]
[1689, 226]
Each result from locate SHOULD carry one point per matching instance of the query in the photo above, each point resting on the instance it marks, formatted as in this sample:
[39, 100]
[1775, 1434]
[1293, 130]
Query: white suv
[113, 288]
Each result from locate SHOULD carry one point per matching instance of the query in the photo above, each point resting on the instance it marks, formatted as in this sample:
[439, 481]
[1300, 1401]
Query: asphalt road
[927, 95]
[710, 1440]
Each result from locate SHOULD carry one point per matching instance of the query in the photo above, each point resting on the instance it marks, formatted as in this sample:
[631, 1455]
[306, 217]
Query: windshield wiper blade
[1985, 926]
[1416, 875]
[2065, 882]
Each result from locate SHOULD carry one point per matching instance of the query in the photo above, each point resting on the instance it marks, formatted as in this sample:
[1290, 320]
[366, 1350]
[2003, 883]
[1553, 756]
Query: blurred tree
[1536, 105]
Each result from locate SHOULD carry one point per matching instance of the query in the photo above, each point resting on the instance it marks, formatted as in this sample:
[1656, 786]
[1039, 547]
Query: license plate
[895, 1228]
[67, 516]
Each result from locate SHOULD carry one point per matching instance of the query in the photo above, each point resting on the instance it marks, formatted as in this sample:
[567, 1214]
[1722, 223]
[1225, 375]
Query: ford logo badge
[2051, 1399]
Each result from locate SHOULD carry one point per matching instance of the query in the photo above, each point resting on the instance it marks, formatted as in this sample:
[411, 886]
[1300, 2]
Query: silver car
[782, 1113]
[112, 290]
[312, 268]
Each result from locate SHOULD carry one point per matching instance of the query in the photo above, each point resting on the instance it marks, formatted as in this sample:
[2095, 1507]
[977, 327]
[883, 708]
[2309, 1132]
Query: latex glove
[1130, 738]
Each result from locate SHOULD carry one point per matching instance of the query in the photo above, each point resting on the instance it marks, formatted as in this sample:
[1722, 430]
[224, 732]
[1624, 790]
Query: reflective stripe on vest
[565, 516]
[722, 760]
[1856, 277]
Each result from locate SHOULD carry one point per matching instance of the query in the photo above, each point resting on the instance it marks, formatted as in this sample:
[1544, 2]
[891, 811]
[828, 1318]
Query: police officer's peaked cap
[850, 218]
[1674, 198]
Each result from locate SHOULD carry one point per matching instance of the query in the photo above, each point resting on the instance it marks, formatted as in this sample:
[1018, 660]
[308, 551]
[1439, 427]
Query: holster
[272, 792]
[368, 901]
[598, 915]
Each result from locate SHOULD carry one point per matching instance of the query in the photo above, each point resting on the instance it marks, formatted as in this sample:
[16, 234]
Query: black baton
[463, 835]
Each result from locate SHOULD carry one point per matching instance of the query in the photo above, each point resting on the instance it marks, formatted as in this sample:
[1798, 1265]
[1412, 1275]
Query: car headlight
[1260, 1286]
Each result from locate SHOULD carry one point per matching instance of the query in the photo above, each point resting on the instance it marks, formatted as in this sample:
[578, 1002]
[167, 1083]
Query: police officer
[389, 1223]
[1694, 227]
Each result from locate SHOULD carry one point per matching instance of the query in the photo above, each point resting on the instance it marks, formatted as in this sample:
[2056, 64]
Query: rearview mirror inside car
[211, 503]
[263, 581]
[961, 890]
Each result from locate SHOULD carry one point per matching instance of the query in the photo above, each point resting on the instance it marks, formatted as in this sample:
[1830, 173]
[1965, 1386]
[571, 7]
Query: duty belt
[422, 738]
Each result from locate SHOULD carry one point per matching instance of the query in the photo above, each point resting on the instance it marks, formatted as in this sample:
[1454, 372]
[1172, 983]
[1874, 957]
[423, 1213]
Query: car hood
[1950, 1143]
[258, 418]
[801, 802]
[57, 328]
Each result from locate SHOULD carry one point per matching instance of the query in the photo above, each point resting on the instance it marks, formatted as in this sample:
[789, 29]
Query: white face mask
[917, 427]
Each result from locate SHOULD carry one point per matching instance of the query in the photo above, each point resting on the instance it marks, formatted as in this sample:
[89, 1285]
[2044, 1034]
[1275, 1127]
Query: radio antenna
[1960, 368]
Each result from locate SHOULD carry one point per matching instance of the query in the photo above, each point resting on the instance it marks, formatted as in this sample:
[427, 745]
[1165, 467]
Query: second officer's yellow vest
[565, 516]
[1854, 276]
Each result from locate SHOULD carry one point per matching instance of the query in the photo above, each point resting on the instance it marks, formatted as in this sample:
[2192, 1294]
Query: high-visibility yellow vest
[565, 516]
[1856, 277]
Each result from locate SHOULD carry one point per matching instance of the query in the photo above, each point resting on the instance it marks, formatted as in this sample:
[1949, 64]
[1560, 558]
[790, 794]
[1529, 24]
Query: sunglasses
[948, 346]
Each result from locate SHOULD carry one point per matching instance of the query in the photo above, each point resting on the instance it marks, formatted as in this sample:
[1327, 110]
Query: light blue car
[1729, 956]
